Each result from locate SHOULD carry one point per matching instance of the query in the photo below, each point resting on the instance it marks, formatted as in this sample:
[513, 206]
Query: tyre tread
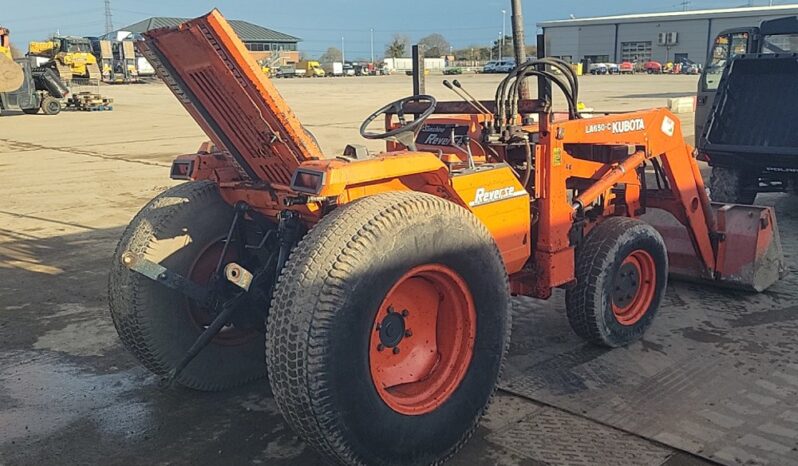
[319, 263]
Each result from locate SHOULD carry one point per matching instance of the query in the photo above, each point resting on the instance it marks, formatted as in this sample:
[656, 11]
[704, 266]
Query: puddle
[45, 395]
[87, 338]
[83, 332]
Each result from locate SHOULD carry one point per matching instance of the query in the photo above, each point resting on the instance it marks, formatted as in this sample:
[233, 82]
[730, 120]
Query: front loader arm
[734, 245]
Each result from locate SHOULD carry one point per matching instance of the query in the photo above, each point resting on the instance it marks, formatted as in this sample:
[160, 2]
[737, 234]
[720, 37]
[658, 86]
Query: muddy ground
[70, 394]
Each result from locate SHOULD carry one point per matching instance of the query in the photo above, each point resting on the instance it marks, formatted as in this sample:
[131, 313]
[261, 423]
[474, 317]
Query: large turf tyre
[323, 344]
[51, 106]
[732, 185]
[154, 323]
[621, 275]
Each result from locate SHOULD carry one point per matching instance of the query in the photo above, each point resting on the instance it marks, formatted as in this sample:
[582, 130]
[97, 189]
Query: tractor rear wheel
[732, 185]
[51, 106]
[621, 275]
[182, 229]
[388, 330]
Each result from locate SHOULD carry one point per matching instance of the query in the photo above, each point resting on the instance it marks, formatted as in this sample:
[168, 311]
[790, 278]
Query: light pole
[343, 50]
[372, 46]
[500, 54]
[504, 31]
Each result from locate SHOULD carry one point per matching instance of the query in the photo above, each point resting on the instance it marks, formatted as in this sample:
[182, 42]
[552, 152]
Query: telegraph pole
[109, 23]
[519, 43]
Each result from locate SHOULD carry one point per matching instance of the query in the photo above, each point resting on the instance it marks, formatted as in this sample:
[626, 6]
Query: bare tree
[397, 48]
[331, 55]
[16, 52]
[435, 45]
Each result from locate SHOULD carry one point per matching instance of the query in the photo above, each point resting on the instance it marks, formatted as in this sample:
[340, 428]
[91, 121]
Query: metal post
[544, 86]
[372, 46]
[500, 46]
[419, 87]
[343, 51]
[519, 42]
[504, 32]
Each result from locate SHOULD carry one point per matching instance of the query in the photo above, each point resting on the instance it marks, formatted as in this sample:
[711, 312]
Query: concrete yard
[714, 380]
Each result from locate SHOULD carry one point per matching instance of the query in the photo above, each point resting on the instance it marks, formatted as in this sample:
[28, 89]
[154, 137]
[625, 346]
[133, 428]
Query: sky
[322, 23]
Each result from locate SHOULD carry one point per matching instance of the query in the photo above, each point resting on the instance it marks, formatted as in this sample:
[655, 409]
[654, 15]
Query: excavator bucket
[215, 77]
[11, 75]
[748, 252]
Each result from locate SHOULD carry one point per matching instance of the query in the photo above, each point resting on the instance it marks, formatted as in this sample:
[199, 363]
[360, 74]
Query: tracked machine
[71, 57]
[380, 284]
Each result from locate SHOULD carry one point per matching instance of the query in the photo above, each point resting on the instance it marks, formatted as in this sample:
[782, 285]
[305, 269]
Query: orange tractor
[380, 284]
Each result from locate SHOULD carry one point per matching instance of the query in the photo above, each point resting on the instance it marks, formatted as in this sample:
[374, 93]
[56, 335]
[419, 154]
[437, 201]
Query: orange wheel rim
[633, 287]
[200, 273]
[422, 339]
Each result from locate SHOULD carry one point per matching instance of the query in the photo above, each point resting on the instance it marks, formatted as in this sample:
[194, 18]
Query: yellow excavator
[11, 74]
[71, 56]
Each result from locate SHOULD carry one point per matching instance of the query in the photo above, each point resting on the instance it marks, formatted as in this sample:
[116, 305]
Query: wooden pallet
[89, 102]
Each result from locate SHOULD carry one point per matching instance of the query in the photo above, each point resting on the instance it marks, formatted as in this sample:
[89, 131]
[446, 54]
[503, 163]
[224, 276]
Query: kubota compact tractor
[380, 284]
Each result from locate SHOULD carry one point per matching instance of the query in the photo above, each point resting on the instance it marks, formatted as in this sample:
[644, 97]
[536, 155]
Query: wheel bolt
[390, 310]
[408, 333]
[380, 347]
[405, 313]
[377, 329]
[396, 350]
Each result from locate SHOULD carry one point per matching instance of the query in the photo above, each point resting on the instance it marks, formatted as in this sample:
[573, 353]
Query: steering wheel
[406, 128]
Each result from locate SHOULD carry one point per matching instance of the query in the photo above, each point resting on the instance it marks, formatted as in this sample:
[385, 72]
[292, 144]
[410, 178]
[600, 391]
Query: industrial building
[264, 43]
[657, 36]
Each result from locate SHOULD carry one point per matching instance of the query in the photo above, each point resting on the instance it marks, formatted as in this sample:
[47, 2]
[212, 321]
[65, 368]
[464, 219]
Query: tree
[397, 48]
[331, 55]
[473, 52]
[15, 52]
[508, 51]
[435, 45]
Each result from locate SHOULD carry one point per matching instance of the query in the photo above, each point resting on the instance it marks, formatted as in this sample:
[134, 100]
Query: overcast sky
[322, 23]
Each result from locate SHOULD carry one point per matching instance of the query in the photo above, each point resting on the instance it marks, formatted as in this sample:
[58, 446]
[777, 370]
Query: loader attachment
[215, 77]
[747, 246]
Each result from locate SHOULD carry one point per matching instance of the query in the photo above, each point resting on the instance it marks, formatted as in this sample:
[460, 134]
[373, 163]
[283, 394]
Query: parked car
[288, 71]
[613, 68]
[505, 66]
[652, 67]
[598, 68]
[490, 67]
[499, 66]
[626, 67]
[333, 69]
[349, 70]
[689, 67]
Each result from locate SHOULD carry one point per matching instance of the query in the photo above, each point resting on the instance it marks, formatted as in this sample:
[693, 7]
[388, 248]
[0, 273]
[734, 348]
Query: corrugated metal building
[658, 36]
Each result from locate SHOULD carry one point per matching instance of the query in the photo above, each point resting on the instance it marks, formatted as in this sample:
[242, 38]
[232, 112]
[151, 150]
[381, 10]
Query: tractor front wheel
[621, 275]
[388, 330]
[182, 229]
